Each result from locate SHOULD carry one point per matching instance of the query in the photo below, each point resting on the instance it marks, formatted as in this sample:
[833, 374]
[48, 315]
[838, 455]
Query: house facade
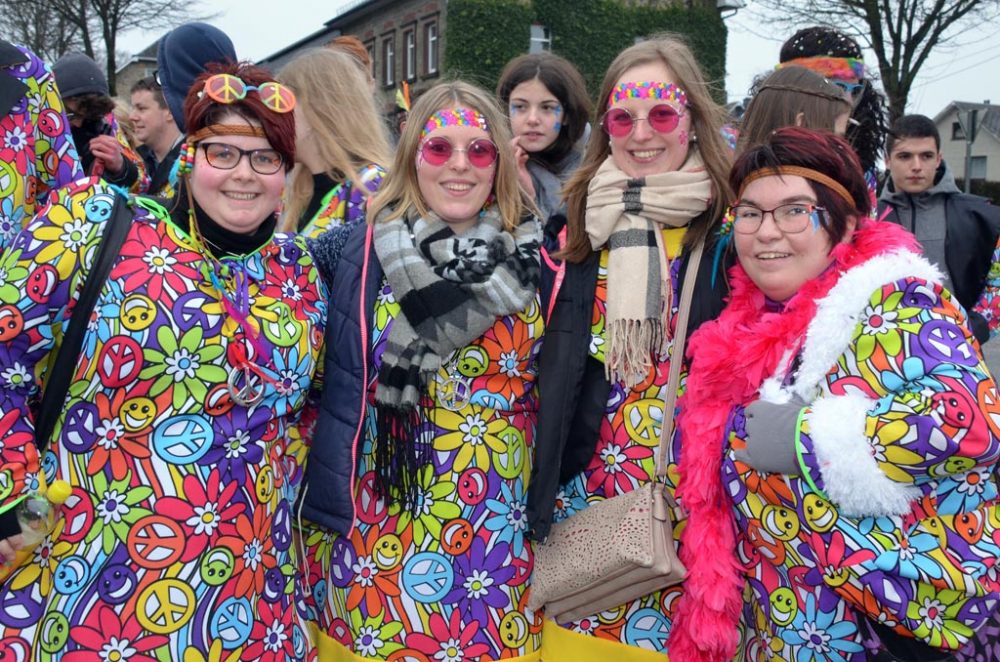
[985, 162]
[137, 67]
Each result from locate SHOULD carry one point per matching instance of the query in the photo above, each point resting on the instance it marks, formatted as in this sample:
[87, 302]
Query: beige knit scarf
[627, 215]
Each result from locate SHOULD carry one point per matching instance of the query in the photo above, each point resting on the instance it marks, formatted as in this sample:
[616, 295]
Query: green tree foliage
[482, 35]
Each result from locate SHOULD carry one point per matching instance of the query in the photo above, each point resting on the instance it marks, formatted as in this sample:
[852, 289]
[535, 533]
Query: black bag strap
[68, 357]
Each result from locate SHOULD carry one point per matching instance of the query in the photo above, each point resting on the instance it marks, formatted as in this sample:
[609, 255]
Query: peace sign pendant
[252, 390]
[454, 392]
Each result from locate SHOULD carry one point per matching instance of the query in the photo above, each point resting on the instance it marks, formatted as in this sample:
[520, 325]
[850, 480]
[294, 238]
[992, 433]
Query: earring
[185, 160]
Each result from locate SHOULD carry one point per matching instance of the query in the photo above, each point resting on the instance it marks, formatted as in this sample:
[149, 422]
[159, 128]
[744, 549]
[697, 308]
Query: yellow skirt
[561, 644]
[329, 649]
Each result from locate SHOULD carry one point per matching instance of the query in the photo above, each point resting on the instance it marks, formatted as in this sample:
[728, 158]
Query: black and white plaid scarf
[451, 289]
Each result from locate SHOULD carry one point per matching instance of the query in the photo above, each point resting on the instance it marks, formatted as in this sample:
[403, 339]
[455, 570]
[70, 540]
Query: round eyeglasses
[226, 157]
[619, 122]
[481, 153]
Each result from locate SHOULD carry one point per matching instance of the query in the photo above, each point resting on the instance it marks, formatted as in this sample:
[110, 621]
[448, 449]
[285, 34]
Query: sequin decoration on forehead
[454, 117]
[647, 90]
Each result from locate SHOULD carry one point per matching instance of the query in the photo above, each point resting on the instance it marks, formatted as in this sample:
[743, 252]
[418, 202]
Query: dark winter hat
[819, 40]
[183, 55]
[76, 75]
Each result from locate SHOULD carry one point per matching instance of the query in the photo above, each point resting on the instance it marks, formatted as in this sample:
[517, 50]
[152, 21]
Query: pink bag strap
[677, 358]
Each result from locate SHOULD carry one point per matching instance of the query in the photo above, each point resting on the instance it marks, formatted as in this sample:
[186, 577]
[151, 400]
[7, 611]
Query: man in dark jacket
[958, 232]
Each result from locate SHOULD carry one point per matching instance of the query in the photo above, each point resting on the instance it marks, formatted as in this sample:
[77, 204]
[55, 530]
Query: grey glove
[771, 436]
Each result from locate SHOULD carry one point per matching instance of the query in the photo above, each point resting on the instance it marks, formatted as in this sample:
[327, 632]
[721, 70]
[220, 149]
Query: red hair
[201, 111]
[351, 45]
[817, 150]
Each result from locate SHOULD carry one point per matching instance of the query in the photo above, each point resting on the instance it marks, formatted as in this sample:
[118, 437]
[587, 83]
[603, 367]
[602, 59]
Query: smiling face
[455, 190]
[780, 263]
[535, 115]
[239, 199]
[645, 151]
[149, 118]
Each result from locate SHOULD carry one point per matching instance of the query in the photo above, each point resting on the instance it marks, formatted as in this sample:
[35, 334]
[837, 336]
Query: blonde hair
[121, 112]
[707, 119]
[335, 99]
[400, 190]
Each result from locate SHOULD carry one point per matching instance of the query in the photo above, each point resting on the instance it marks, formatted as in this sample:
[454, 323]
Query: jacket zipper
[363, 322]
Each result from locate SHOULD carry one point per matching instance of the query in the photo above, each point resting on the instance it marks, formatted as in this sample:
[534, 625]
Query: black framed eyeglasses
[226, 157]
[790, 218]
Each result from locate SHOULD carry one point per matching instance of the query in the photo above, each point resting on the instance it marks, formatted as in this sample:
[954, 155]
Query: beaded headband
[836, 68]
[455, 117]
[807, 173]
[647, 90]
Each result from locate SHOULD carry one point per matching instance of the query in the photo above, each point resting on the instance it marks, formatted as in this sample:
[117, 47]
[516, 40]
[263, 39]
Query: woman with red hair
[840, 408]
[179, 429]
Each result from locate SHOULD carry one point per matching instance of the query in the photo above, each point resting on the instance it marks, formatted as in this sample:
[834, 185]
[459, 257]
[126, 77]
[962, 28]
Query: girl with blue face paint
[548, 106]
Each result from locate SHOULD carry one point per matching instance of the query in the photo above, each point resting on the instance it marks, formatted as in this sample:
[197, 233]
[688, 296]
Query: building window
[431, 44]
[541, 39]
[977, 167]
[410, 54]
[956, 131]
[388, 62]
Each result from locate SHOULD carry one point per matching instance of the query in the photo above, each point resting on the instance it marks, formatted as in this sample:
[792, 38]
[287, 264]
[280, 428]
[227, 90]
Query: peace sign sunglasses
[227, 88]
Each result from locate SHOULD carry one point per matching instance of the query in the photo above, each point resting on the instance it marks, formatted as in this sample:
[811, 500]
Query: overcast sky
[970, 72]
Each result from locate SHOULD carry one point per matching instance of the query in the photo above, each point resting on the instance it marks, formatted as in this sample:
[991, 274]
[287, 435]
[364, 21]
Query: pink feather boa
[730, 359]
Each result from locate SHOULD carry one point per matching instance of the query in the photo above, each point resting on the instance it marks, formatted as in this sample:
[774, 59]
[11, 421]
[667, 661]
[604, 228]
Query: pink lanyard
[560, 270]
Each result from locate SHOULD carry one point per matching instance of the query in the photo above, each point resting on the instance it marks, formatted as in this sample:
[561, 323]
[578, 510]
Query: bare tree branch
[902, 33]
[102, 21]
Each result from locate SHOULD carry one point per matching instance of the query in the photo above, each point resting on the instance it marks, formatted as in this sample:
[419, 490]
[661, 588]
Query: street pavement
[992, 352]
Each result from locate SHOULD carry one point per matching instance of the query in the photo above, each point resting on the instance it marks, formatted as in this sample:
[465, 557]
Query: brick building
[404, 38]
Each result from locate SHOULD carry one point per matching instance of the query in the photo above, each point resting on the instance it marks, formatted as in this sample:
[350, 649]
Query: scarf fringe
[632, 344]
[705, 627]
[399, 453]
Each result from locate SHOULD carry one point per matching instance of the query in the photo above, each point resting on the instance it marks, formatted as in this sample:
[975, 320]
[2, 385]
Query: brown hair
[707, 118]
[564, 81]
[816, 150]
[785, 96]
[200, 110]
[93, 107]
[149, 84]
[400, 191]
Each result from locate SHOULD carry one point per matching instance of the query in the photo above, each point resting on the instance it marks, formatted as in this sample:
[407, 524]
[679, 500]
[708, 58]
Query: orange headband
[808, 173]
[226, 130]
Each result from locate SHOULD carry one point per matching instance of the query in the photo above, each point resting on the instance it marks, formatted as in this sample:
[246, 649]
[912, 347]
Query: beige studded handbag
[620, 549]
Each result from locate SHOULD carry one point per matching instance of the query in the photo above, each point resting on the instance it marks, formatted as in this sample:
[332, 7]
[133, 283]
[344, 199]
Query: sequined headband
[455, 117]
[807, 173]
[647, 90]
[835, 68]
[226, 130]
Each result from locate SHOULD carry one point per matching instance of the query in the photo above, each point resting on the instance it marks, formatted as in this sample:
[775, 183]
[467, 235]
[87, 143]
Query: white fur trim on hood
[837, 314]
[851, 475]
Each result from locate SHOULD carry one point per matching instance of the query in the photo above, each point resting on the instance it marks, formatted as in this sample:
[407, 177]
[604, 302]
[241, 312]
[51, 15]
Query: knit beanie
[183, 55]
[76, 75]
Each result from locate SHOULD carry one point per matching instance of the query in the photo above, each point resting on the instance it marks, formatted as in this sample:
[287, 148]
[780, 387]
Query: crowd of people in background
[325, 379]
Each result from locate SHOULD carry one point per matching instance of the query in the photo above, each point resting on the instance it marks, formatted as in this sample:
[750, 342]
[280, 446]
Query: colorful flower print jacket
[176, 543]
[895, 516]
[37, 153]
[345, 203]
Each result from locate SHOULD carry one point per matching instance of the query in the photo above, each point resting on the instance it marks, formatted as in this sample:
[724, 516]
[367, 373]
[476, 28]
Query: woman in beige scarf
[651, 186]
